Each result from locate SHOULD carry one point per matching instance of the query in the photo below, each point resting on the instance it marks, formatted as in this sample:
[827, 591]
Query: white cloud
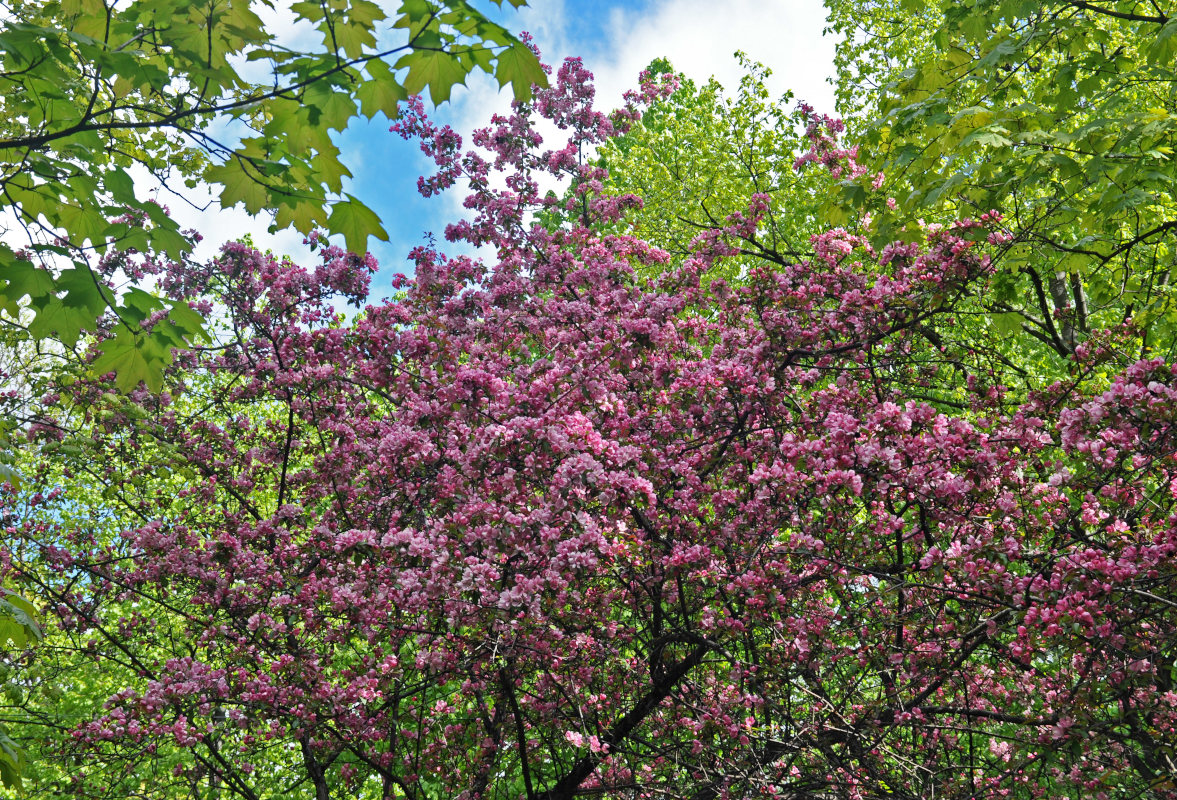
[700, 36]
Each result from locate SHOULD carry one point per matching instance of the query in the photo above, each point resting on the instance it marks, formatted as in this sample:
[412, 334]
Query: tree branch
[566, 787]
[1159, 19]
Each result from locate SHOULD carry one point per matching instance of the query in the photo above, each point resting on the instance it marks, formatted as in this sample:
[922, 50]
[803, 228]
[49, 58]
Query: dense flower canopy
[538, 527]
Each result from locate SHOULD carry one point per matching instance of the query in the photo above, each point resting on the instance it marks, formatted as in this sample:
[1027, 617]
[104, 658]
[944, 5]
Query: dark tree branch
[1047, 314]
[566, 787]
[1159, 19]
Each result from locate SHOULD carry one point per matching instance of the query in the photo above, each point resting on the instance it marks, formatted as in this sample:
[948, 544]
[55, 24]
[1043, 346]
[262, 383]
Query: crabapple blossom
[537, 527]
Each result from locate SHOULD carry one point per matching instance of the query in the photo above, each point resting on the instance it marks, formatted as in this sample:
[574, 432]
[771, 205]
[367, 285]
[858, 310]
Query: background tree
[1062, 114]
[697, 156]
[92, 90]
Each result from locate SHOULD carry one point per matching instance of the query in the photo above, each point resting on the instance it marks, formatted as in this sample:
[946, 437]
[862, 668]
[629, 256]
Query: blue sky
[616, 39]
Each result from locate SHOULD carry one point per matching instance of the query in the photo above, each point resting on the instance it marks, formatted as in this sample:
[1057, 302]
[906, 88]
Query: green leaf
[14, 599]
[329, 169]
[308, 10]
[10, 475]
[350, 37]
[134, 358]
[82, 223]
[417, 10]
[57, 319]
[23, 279]
[438, 70]
[1162, 50]
[365, 12]
[518, 66]
[356, 222]
[120, 185]
[338, 110]
[302, 215]
[945, 188]
[188, 321]
[381, 93]
[992, 136]
[11, 633]
[239, 185]
[17, 621]
[10, 771]
[31, 201]
[1006, 324]
[169, 241]
[137, 305]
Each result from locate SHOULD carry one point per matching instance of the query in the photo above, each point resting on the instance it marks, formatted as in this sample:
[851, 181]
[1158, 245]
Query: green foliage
[93, 91]
[699, 156]
[18, 629]
[1061, 114]
[12, 762]
[18, 625]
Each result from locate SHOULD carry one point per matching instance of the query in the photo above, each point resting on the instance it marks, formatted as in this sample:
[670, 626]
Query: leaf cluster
[94, 94]
[1060, 114]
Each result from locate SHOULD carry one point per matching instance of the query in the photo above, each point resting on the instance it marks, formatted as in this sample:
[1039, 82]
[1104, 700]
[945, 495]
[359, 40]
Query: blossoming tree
[539, 528]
